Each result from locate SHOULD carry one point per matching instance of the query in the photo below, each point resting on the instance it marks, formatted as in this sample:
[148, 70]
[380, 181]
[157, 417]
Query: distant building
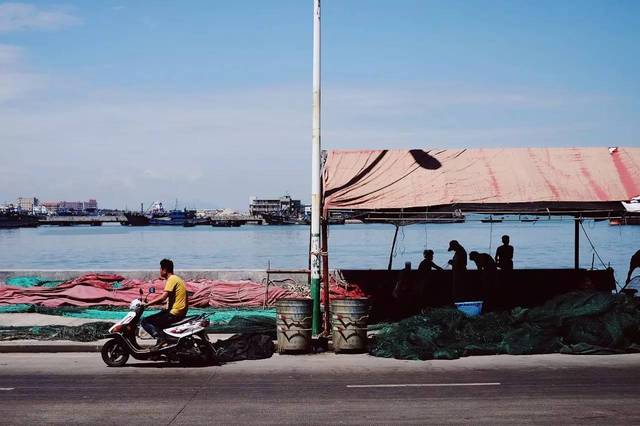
[90, 206]
[283, 205]
[75, 206]
[26, 203]
[51, 206]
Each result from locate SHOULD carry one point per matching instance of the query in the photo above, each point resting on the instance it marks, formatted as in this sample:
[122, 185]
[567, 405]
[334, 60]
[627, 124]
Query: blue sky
[209, 101]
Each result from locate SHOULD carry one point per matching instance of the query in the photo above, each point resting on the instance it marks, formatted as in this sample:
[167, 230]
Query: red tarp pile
[113, 290]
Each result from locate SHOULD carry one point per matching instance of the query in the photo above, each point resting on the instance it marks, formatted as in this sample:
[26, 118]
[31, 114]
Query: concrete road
[321, 389]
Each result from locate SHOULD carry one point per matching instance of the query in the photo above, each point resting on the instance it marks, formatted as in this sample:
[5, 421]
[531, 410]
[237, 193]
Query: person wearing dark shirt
[427, 263]
[459, 266]
[483, 261]
[407, 293]
[459, 260]
[433, 295]
[504, 255]
[633, 264]
[487, 267]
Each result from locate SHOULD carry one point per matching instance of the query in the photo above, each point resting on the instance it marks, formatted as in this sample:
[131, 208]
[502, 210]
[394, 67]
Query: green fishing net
[32, 282]
[82, 333]
[221, 320]
[576, 323]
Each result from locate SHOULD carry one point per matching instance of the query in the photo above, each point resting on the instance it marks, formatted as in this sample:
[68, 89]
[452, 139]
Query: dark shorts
[154, 324]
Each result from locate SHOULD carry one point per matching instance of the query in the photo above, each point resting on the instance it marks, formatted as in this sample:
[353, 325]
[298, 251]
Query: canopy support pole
[325, 275]
[576, 244]
[315, 175]
[393, 246]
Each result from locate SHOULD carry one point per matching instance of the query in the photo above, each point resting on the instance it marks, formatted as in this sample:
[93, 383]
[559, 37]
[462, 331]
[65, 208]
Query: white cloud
[25, 17]
[15, 82]
[10, 56]
[423, 97]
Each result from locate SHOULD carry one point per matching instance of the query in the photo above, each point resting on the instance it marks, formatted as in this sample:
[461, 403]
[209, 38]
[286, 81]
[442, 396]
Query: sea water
[547, 243]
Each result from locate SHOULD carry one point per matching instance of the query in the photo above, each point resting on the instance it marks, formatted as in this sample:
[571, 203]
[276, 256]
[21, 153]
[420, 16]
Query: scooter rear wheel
[114, 353]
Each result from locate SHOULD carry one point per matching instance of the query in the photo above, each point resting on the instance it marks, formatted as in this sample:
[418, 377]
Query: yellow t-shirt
[177, 295]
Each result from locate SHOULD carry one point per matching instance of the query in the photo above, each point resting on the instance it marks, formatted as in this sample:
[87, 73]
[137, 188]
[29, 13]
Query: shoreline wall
[255, 275]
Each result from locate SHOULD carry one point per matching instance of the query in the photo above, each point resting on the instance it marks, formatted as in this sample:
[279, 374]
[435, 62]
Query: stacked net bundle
[83, 333]
[575, 323]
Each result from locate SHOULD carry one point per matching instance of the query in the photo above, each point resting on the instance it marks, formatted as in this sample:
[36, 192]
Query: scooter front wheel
[115, 353]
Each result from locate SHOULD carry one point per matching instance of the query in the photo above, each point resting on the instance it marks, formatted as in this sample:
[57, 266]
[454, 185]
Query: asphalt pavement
[319, 389]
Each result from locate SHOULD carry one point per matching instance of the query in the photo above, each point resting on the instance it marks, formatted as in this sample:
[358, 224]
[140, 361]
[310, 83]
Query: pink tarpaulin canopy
[400, 179]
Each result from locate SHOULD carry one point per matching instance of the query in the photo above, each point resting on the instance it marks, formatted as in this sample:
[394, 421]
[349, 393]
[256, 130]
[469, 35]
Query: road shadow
[170, 365]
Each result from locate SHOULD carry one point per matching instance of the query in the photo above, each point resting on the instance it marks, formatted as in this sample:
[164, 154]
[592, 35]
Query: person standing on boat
[459, 266]
[459, 260]
[407, 293]
[427, 263]
[483, 261]
[504, 255]
[487, 267]
[432, 295]
[633, 264]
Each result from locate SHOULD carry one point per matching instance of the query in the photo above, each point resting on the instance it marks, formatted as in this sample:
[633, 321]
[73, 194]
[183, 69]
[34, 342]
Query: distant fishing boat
[158, 216]
[16, 219]
[431, 218]
[528, 219]
[633, 206]
[174, 218]
[455, 217]
[629, 219]
[491, 219]
[283, 218]
[135, 219]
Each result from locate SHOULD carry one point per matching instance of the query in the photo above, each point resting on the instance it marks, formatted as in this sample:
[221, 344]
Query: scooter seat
[184, 320]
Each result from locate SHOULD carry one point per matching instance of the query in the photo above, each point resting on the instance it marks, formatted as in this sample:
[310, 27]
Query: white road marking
[424, 385]
[6, 389]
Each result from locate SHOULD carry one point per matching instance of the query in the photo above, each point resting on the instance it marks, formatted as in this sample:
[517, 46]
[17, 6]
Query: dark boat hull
[136, 219]
[279, 219]
[225, 223]
[17, 220]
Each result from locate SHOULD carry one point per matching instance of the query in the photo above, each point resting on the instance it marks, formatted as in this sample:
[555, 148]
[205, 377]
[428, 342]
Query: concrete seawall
[255, 275]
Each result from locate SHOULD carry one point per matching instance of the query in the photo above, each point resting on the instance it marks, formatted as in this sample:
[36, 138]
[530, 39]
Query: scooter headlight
[135, 304]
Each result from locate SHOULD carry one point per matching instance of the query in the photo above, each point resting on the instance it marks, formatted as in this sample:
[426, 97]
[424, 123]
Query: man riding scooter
[175, 293]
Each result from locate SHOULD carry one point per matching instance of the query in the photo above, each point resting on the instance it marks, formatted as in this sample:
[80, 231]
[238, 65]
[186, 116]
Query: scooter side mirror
[152, 290]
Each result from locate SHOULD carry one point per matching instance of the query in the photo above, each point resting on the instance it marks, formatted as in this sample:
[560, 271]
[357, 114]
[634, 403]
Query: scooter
[187, 340]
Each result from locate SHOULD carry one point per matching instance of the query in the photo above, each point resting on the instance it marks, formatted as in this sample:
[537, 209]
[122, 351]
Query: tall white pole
[315, 174]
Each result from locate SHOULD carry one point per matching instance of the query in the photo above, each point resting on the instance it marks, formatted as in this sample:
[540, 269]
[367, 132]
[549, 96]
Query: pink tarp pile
[99, 290]
[114, 290]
